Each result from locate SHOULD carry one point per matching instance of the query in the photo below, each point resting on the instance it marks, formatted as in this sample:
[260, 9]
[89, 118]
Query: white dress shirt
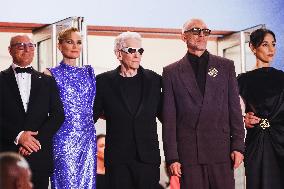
[24, 85]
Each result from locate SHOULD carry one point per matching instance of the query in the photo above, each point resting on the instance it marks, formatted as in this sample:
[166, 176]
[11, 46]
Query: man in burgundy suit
[203, 130]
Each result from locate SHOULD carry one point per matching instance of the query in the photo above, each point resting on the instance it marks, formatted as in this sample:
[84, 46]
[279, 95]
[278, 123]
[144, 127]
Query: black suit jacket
[45, 114]
[129, 134]
[201, 129]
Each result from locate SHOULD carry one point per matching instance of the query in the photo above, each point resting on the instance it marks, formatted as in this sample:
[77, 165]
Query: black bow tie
[24, 70]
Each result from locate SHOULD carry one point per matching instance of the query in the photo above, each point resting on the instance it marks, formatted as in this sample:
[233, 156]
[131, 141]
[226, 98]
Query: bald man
[203, 131]
[15, 172]
[30, 110]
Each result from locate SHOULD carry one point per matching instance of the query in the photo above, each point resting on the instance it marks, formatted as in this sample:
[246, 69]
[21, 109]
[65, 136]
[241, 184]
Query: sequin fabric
[74, 145]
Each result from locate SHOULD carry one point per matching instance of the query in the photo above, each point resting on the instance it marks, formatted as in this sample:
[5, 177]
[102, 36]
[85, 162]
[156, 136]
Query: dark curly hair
[257, 36]
[100, 136]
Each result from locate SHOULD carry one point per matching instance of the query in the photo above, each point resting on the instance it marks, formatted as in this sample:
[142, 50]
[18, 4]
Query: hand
[250, 120]
[29, 142]
[24, 152]
[237, 158]
[175, 169]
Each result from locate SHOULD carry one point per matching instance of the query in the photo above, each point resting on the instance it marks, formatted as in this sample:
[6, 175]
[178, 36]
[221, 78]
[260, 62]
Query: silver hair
[19, 35]
[188, 24]
[120, 40]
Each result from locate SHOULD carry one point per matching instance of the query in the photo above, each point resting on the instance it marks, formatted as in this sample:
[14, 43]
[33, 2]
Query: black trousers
[40, 180]
[133, 175]
[209, 176]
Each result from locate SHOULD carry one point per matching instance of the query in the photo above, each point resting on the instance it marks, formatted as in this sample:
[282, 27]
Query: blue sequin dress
[74, 145]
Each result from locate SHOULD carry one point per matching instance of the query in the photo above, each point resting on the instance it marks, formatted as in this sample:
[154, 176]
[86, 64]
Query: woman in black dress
[262, 91]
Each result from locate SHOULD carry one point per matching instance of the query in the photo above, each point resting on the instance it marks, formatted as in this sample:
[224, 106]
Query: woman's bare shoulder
[47, 72]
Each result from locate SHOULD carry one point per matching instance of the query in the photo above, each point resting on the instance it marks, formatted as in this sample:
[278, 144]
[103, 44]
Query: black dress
[263, 93]
[101, 181]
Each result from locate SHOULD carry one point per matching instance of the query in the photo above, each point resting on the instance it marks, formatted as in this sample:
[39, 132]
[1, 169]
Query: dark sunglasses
[132, 50]
[197, 31]
[22, 46]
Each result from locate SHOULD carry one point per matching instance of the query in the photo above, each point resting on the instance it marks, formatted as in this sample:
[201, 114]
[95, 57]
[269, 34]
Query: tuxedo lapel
[146, 90]
[189, 81]
[35, 87]
[11, 80]
[213, 89]
[212, 85]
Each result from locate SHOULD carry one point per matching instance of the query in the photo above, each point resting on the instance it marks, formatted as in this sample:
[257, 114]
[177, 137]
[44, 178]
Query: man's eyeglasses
[22, 46]
[132, 50]
[197, 31]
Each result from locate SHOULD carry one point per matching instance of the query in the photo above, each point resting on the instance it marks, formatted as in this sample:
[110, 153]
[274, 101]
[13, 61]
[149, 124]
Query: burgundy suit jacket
[201, 129]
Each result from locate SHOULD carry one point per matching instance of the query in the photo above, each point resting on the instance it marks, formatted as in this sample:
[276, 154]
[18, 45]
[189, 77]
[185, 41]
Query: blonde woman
[74, 145]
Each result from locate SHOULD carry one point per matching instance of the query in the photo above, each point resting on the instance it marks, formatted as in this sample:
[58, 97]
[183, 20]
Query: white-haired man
[129, 98]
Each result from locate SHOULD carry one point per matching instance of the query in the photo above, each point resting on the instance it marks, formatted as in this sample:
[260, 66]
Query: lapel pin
[213, 72]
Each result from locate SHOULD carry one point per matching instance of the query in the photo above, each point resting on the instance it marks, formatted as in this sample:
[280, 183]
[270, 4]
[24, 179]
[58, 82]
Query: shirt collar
[15, 66]
[194, 58]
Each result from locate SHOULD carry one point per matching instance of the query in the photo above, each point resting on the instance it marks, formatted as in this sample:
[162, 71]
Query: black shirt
[132, 90]
[100, 181]
[199, 66]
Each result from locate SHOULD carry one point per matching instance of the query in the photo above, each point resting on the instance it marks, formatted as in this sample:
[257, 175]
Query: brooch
[213, 72]
[264, 123]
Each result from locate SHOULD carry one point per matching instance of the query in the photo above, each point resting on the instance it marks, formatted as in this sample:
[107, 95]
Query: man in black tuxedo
[30, 110]
[129, 98]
